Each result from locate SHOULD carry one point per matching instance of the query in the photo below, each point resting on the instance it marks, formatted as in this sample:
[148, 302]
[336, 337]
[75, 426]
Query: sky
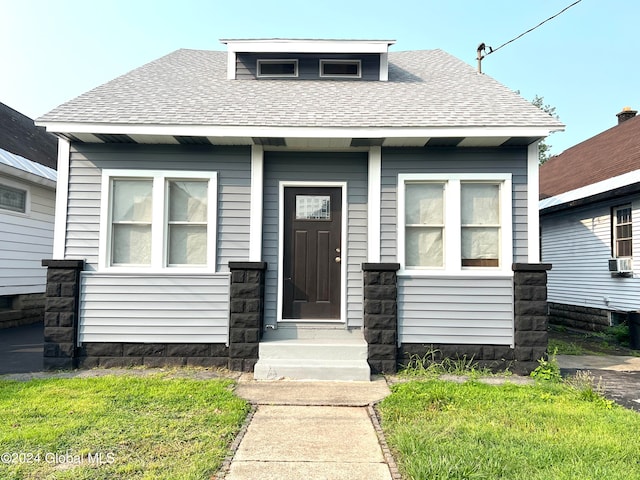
[584, 62]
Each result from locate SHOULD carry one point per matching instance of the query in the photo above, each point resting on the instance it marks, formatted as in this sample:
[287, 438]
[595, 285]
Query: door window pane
[313, 207]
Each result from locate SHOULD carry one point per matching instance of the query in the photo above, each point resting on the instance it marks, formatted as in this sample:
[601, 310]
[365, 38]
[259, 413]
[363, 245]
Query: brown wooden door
[312, 252]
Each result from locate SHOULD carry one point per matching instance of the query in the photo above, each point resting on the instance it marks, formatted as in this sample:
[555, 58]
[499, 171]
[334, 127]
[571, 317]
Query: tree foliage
[544, 149]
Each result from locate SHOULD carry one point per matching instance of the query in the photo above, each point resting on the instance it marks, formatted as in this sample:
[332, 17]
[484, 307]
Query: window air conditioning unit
[621, 265]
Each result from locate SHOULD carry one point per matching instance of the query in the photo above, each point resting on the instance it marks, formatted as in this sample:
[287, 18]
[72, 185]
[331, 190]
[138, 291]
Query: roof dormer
[279, 58]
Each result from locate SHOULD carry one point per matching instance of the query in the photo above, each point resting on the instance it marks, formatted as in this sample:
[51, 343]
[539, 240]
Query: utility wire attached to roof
[482, 47]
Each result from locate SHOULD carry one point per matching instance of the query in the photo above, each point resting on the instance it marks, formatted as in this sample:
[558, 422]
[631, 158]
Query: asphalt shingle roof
[614, 152]
[426, 88]
[19, 136]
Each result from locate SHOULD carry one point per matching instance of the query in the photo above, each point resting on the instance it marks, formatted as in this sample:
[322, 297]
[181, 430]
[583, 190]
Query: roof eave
[534, 132]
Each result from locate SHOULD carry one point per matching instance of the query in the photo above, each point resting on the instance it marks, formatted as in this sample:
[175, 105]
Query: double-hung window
[158, 219]
[455, 223]
[622, 232]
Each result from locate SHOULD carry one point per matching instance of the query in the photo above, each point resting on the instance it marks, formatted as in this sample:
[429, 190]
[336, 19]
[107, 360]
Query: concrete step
[327, 370]
[343, 359]
[311, 331]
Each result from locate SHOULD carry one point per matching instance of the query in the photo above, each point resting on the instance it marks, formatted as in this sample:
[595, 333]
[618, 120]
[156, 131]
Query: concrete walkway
[311, 430]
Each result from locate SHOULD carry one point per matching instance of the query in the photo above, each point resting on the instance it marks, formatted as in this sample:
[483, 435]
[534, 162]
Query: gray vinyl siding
[453, 160]
[232, 165]
[343, 167]
[578, 243]
[308, 65]
[476, 311]
[445, 309]
[26, 239]
[164, 308]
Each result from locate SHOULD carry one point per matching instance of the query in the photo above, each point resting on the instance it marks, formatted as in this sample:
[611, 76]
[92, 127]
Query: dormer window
[274, 68]
[250, 59]
[340, 68]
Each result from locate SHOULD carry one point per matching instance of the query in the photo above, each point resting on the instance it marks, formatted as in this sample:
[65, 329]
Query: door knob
[338, 259]
[338, 250]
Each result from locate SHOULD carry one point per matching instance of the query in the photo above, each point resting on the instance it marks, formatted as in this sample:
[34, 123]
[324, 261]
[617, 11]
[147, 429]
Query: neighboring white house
[309, 205]
[590, 227]
[27, 205]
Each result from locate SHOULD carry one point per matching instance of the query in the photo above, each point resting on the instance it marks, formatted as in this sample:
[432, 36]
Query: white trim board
[159, 222]
[452, 223]
[256, 213]
[295, 132]
[62, 198]
[343, 241]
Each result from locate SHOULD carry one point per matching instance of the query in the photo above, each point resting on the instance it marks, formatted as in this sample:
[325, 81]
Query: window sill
[468, 272]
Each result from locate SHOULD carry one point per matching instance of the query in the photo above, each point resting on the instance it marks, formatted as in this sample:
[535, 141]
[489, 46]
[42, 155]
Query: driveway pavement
[619, 376]
[21, 349]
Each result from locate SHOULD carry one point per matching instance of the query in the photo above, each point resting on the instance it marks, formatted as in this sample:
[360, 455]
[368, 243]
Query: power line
[482, 47]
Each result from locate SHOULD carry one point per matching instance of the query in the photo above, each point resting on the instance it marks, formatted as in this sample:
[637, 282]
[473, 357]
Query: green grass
[431, 365]
[137, 427]
[445, 430]
[567, 348]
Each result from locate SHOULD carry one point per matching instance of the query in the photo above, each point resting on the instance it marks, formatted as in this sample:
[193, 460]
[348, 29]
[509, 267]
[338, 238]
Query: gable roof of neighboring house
[19, 136]
[604, 163]
[189, 88]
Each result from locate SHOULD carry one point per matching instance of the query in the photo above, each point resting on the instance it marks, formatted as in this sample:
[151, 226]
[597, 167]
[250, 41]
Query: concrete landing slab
[311, 442]
[284, 392]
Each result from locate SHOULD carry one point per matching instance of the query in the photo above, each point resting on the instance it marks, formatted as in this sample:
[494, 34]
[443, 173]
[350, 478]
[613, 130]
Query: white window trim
[344, 253]
[261, 61]
[159, 224]
[614, 220]
[452, 241]
[323, 61]
[27, 199]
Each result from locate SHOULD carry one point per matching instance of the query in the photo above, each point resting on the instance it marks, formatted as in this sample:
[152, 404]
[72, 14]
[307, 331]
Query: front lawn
[116, 427]
[445, 430]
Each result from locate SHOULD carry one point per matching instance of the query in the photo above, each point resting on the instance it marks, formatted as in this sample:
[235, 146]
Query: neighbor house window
[277, 68]
[340, 68]
[454, 223]
[622, 232]
[13, 199]
[158, 219]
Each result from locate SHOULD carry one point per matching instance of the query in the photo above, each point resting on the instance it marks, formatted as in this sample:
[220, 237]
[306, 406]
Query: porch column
[530, 312]
[61, 314]
[381, 315]
[246, 313]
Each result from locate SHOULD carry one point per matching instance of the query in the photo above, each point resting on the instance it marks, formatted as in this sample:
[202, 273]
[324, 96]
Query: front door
[312, 253]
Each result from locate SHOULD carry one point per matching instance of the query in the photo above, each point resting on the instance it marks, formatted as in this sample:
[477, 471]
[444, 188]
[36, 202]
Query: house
[589, 214]
[297, 208]
[27, 197]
